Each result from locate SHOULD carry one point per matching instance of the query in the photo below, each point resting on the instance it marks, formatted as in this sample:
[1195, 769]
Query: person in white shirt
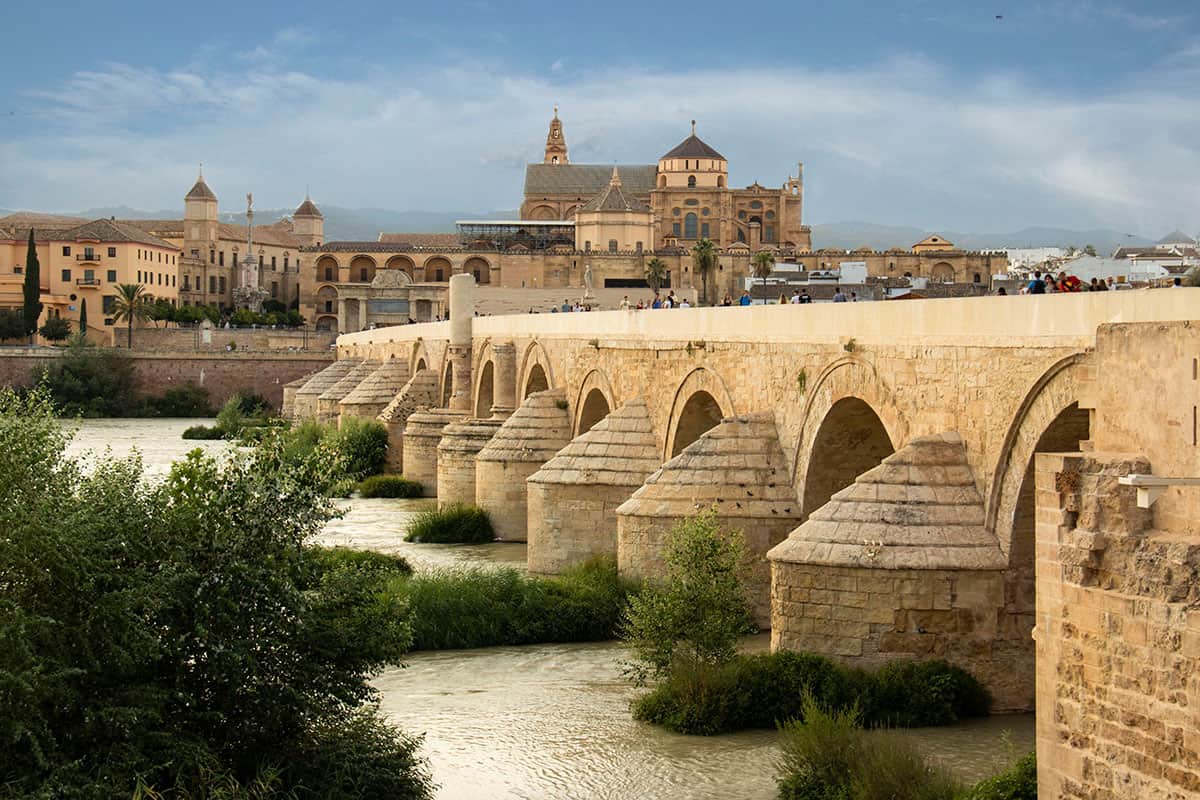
[625, 303]
[795, 297]
[684, 303]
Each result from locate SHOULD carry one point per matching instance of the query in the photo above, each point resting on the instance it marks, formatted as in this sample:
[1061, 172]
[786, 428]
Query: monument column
[504, 361]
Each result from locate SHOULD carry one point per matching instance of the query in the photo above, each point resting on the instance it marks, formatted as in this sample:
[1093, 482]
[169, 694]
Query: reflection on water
[547, 721]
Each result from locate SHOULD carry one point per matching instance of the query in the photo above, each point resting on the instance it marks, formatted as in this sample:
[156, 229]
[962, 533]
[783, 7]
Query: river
[547, 721]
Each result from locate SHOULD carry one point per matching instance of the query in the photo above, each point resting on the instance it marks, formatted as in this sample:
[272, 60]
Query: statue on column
[587, 282]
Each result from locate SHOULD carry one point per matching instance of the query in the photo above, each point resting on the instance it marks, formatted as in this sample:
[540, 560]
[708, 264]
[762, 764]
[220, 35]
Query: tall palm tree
[131, 303]
[704, 259]
[656, 273]
[764, 263]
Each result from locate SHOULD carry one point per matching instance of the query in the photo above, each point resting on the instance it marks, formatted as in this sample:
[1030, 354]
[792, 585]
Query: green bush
[765, 689]
[487, 607]
[827, 756]
[231, 419]
[55, 329]
[697, 612]
[362, 445]
[1017, 783]
[389, 486]
[188, 400]
[90, 381]
[456, 523]
[200, 651]
[386, 565]
[203, 432]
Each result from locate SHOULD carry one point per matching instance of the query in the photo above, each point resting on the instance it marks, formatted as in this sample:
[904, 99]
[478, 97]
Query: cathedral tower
[308, 224]
[200, 222]
[556, 145]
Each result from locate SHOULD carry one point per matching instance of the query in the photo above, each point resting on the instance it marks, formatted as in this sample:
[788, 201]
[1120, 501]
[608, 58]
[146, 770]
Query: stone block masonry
[222, 374]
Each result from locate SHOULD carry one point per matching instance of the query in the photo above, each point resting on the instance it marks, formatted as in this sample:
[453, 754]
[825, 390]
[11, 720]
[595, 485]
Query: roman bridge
[879, 457]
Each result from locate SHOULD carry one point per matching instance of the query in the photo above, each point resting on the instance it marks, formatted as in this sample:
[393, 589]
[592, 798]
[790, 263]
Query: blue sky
[1072, 112]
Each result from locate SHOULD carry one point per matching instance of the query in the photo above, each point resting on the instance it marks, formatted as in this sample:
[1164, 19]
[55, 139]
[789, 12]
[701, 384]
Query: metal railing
[87, 281]
[87, 257]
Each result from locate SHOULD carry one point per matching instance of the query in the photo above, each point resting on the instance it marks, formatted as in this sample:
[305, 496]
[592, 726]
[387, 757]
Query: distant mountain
[848, 235]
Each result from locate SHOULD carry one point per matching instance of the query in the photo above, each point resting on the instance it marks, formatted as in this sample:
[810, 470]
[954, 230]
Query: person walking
[745, 300]
[1037, 285]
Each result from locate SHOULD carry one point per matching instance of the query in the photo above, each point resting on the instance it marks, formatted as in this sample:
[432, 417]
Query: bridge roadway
[768, 414]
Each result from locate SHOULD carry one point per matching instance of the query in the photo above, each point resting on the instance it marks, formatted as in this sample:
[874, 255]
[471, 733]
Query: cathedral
[685, 196]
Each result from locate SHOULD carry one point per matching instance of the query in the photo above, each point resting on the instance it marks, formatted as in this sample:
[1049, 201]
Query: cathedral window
[704, 211]
[768, 233]
[212, 256]
[272, 262]
[675, 228]
[676, 212]
[362, 274]
[770, 215]
[221, 258]
[741, 215]
[691, 201]
[329, 273]
[691, 181]
[755, 204]
[612, 245]
[704, 229]
[689, 226]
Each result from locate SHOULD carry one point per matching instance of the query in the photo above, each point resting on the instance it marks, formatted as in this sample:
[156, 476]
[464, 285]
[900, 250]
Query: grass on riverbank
[389, 486]
[828, 756]
[456, 523]
[764, 689]
[487, 607]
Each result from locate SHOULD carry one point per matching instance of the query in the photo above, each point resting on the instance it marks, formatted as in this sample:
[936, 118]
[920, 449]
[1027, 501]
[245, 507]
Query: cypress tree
[83, 318]
[32, 308]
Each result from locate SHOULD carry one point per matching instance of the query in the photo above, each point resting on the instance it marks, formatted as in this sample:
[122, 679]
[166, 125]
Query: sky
[962, 115]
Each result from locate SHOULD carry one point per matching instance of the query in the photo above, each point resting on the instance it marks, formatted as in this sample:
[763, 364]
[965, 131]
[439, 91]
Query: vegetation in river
[486, 607]
[177, 639]
[389, 486]
[762, 690]
[456, 523]
[683, 630]
[827, 755]
[693, 617]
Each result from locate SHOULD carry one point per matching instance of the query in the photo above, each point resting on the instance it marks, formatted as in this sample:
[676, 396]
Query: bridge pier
[573, 498]
[378, 389]
[899, 565]
[418, 394]
[525, 442]
[737, 469]
[328, 402]
[305, 399]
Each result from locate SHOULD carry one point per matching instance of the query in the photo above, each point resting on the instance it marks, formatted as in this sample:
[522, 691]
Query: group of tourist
[1047, 283]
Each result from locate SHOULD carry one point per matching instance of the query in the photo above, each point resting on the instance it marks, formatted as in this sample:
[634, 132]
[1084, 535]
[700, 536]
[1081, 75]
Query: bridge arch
[483, 373]
[1048, 420]
[418, 358]
[447, 383]
[594, 402]
[536, 374]
[701, 401]
[849, 424]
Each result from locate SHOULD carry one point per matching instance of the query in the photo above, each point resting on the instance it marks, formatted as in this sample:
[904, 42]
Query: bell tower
[556, 144]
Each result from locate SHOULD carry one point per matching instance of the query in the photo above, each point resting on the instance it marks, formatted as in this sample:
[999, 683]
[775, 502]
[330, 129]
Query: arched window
[978, 279]
[691, 181]
[689, 226]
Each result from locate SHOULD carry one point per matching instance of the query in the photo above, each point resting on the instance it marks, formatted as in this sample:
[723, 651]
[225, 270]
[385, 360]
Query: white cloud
[902, 141]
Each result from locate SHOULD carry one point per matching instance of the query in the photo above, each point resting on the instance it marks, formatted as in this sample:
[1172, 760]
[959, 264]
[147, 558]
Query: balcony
[87, 281]
[88, 257]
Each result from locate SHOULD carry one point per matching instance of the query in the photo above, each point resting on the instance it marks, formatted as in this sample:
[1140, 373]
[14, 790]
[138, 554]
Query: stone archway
[404, 264]
[362, 269]
[850, 440]
[845, 378]
[700, 413]
[438, 269]
[479, 268]
[706, 400]
[942, 272]
[536, 382]
[325, 323]
[418, 356]
[594, 402]
[485, 390]
[534, 360]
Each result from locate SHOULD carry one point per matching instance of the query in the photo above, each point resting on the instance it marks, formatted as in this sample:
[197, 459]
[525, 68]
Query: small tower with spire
[308, 224]
[200, 221]
[556, 143]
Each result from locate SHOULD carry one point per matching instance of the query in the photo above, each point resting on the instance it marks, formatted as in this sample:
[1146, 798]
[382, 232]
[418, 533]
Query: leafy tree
[695, 615]
[31, 310]
[704, 261]
[131, 303]
[12, 326]
[90, 381]
[1089, 250]
[83, 318]
[160, 310]
[55, 329]
[764, 263]
[656, 273]
[272, 306]
[178, 639]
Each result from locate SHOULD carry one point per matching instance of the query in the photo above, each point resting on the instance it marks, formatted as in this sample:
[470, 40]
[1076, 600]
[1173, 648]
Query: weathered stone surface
[523, 444]
[736, 468]
[306, 396]
[422, 434]
[418, 394]
[375, 391]
[289, 395]
[460, 443]
[328, 400]
[919, 509]
[573, 498]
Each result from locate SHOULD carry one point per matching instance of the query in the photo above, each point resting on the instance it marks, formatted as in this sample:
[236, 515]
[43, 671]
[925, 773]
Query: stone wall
[1118, 638]
[222, 374]
[256, 339]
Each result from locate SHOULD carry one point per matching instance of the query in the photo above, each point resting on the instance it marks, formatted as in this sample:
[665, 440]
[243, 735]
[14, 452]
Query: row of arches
[362, 268]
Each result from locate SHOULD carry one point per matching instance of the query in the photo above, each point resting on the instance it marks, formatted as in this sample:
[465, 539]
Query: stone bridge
[879, 457]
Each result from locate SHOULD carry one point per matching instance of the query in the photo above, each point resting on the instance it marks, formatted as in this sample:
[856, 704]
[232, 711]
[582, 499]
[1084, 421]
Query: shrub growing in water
[198, 646]
[362, 445]
[695, 615]
[765, 689]
[456, 523]
[389, 486]
[188, 400]
[203, 432]
[1019, 782]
